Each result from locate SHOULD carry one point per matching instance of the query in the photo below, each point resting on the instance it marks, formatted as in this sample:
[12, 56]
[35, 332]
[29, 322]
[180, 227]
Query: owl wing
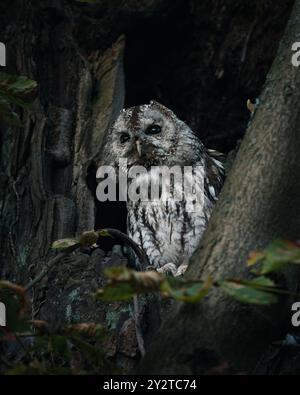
[214, 173]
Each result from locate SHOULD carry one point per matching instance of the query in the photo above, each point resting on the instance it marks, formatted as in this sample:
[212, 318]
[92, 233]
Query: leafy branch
[124, 283]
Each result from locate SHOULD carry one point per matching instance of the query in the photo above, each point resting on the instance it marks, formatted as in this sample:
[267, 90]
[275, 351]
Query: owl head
[150, 135]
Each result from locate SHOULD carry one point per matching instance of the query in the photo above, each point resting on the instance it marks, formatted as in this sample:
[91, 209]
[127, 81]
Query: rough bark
[258, 204]
[76, 56]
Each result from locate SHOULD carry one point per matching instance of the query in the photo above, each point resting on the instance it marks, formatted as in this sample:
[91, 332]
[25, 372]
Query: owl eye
[153, 129]
[124, 137]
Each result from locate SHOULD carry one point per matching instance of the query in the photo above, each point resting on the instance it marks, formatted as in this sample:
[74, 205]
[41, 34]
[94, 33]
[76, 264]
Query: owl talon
[181, 270]
[170, 268]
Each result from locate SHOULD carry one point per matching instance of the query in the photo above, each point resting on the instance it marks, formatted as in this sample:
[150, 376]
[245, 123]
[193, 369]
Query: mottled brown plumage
[152, 135]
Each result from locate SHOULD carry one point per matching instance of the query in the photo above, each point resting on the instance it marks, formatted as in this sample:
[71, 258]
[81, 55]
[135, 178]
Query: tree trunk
[259, 202]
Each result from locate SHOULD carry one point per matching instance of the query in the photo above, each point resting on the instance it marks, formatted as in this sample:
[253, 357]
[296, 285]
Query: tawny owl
[151, 135]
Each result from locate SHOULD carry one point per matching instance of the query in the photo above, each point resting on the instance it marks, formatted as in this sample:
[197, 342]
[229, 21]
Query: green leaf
[278, 254]
[186, 292]
[64, 243]
[249, 291]
[261, 281]
[116, 292]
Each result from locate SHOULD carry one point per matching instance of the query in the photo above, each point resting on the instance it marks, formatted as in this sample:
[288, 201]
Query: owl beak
[139, 148]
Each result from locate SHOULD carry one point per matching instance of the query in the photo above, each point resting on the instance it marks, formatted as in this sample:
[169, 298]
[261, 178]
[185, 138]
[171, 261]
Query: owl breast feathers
[151, 135]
